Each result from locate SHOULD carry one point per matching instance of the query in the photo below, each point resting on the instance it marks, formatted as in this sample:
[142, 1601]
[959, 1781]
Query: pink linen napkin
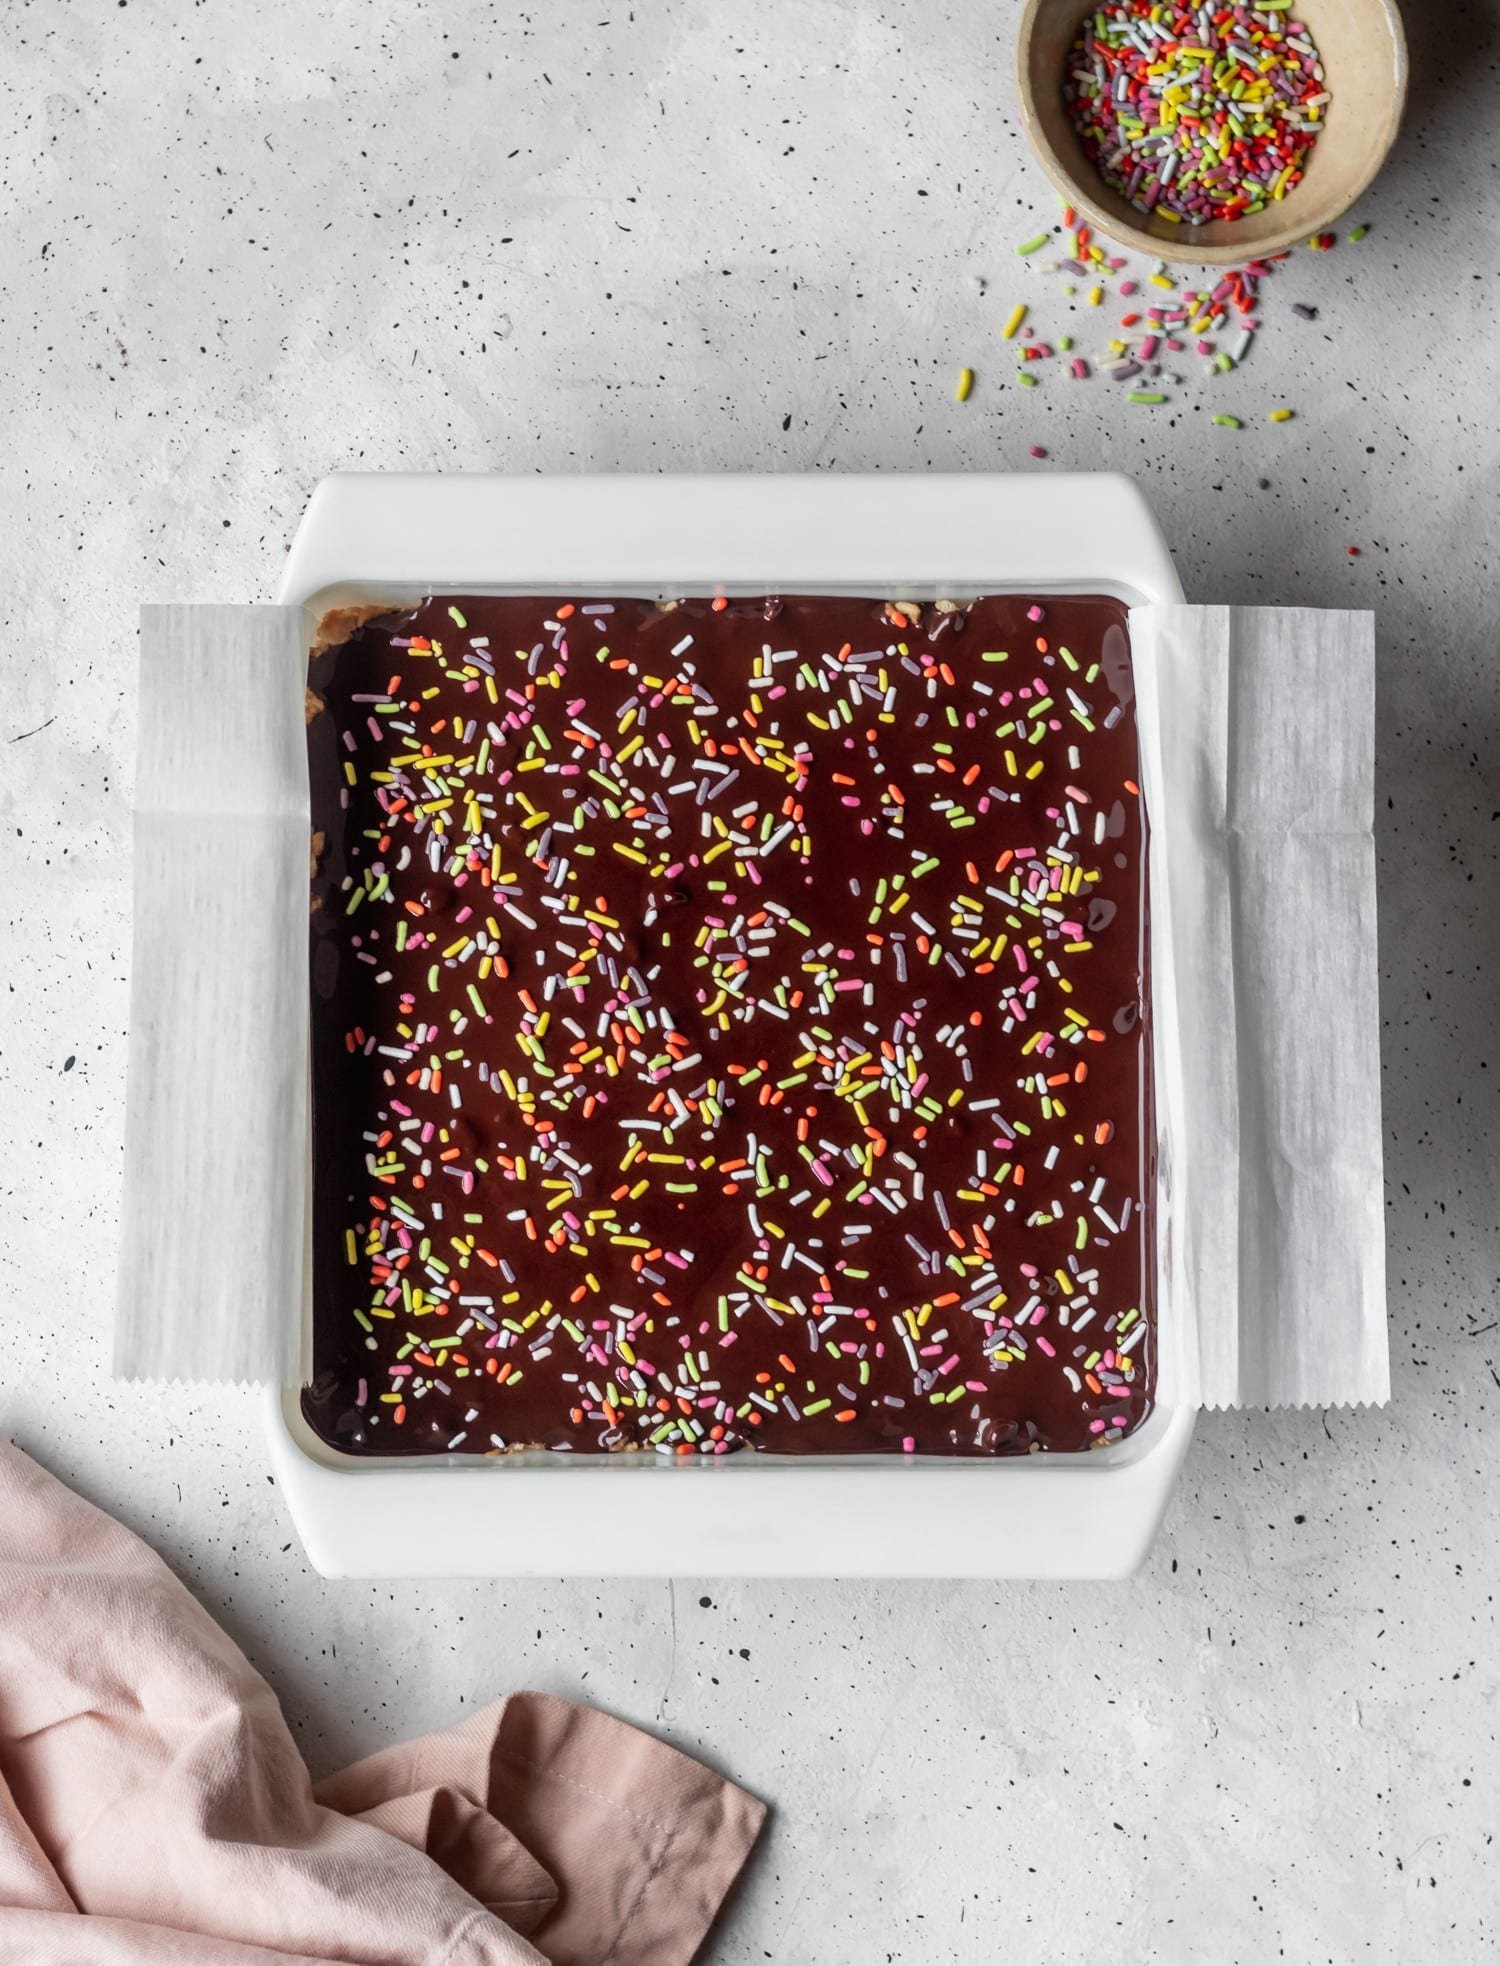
[154, 1807]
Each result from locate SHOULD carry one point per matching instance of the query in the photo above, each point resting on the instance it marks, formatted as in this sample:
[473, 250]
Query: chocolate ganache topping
[730, 1027]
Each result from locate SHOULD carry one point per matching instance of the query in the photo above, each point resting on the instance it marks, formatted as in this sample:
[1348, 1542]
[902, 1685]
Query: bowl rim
[1137, 238]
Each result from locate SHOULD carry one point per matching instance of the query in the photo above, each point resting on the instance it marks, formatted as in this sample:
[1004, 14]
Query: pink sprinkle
[1038, 450]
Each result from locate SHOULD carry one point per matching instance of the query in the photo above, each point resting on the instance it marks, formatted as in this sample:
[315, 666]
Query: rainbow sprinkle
[1165, 323]
[1196, 113]
[727, 1028]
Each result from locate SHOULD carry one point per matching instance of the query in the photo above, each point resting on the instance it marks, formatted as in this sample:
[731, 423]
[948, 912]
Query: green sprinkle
[1357, 233]
[1033, 245]
[1229, 423]
[456, 618]
[1146, 396]
[1026, 381]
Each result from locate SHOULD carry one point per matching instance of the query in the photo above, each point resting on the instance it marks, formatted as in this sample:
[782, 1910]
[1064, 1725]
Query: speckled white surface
[244, 247]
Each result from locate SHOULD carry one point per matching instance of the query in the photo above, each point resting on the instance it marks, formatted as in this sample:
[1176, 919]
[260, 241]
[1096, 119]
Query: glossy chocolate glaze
[812, 1266]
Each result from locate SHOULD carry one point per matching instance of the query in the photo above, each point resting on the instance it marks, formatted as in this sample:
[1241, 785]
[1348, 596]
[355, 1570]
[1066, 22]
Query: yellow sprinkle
[965, 384]
[1282, 416]
[1013, 323]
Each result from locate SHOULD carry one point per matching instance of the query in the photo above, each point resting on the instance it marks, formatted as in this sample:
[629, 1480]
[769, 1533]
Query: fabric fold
[154, 1806]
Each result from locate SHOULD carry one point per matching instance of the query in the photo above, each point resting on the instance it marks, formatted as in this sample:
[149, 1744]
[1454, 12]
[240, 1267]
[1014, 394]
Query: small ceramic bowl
[1363, 50]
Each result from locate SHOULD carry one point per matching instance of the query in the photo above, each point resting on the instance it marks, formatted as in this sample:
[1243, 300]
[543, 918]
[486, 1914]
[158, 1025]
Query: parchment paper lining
[214, 1200]
[1259, 732]
[1257, 728]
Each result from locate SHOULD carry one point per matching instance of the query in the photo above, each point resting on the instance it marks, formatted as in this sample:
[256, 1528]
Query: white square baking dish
[369, 537]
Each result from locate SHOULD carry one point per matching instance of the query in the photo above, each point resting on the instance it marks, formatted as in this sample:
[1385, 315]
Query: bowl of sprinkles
[1211, 133]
